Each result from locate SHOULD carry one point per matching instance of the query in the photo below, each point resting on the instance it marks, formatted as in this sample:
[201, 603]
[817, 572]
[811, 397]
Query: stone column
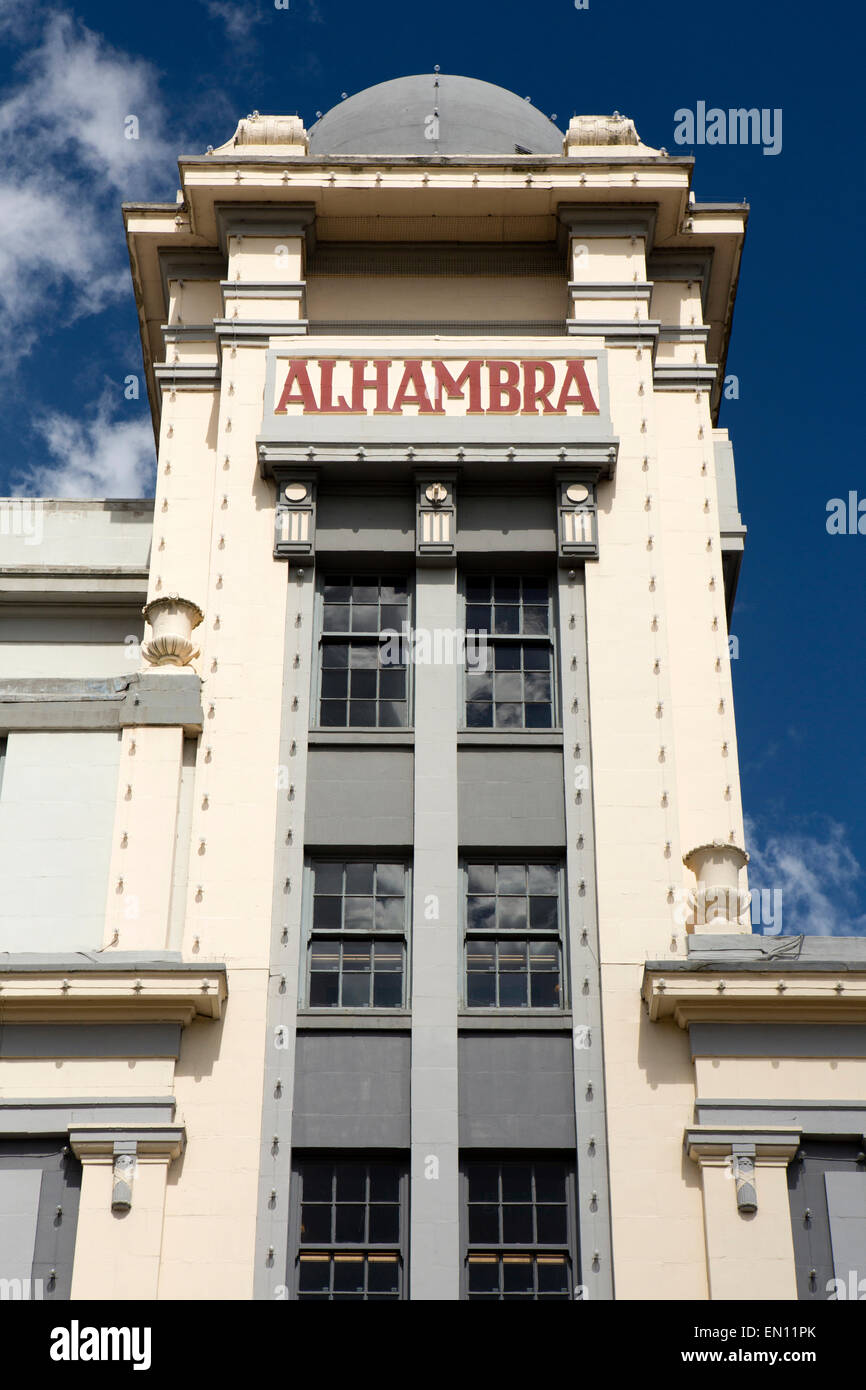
[120, 1214]
[747, 1218]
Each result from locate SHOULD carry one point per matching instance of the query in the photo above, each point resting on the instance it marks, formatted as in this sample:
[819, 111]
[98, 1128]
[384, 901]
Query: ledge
[362, 738]
[80, 990]
[164, 699]
[20, 1115]
[368, 1020]
[713, 1145]
[510, 738]
[163, 1142]
[755, 992]
[514, 1021]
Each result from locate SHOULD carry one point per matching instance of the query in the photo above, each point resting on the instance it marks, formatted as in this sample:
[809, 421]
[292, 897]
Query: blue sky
[68, 330]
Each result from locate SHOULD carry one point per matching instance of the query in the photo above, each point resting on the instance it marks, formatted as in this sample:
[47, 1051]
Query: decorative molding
[610, 289]
[265, 219]
[187, 376]
[66, 994]
[712, 1146]
[616, 332]
[713, 991]
[95, 1143]
[598, 459]
[684, 376]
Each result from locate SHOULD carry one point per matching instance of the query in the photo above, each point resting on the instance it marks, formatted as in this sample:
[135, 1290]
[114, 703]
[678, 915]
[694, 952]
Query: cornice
[776, 992]
[74, 993]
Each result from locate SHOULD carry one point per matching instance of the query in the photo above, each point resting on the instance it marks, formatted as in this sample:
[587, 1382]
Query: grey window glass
[516, 687]
[514, 945]
[363, 678]
[352, 1228]
[519, 1223]
[358, 935]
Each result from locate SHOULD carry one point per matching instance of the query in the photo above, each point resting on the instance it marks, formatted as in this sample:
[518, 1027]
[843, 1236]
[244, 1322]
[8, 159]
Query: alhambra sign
[537, 396]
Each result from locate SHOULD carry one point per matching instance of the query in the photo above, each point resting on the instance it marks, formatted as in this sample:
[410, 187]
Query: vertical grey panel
[272, 1229]
[846, 1205]
[585, 993]
[180, 874]
[810, 1217]
[435, 1203]
[19, 1209]
[54, 1254]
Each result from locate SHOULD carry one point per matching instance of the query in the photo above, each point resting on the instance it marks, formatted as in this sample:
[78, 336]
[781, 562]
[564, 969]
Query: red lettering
[413, 375]
[504, 379]
[532, 392]
[300, 377]
[377, 383]
[576, 376]
[454, 386]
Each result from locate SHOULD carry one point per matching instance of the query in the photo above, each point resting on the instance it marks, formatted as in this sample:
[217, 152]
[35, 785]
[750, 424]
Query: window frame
[504, 934]
[320, 638]
[341, 934]
[294, 1247]
[572, 1244]
[550, 639]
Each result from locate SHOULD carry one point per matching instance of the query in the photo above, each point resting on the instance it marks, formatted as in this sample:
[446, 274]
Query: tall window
[358, 935]
[352, 1230]
[514, 951]
[520, 1225]
[517, 689]
[364, 681]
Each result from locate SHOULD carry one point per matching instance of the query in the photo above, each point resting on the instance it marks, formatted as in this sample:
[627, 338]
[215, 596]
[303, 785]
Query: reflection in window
[358, 935]
[516, 689]
[364, 681]
[513, 936]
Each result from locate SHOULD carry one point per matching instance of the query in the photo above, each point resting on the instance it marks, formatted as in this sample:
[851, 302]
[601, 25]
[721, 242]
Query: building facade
[374, 913]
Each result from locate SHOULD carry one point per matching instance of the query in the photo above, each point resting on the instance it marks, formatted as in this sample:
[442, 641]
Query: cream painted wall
[56, 816]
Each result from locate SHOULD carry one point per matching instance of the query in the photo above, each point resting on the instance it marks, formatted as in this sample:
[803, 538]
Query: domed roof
[434, 114]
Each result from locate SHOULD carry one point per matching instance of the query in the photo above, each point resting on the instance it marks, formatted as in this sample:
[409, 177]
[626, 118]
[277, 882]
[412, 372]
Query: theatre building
[375, 919]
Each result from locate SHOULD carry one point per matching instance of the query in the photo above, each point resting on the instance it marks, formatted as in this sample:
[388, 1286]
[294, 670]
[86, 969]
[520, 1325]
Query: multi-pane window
[364, 677]
[513, 936]
[519, 1229]
[358, 935]
[352, 1222]
[516, 688]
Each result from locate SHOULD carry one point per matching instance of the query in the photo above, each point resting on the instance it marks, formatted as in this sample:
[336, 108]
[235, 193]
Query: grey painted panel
[516, 1091]
[19, 1209]
[359, 796]
[513, 523]
[25, 1116]
[839, 1118]
[351, 1091]
[380, 523]
[810, 1217]
[37, 1241]
[90, 1040]
[510, 798]
[846, 1206]
[777, 1039]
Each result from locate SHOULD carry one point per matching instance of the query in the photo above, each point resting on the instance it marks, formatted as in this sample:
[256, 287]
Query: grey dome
[397, 118]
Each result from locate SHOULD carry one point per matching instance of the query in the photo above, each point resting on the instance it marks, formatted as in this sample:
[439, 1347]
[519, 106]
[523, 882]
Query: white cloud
[820, 877]
[99, 457]
[67, 166]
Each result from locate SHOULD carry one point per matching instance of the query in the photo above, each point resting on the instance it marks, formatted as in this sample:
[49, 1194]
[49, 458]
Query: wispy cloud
[101, 456]
[820, 877]
[71, 154]
[239, 18]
